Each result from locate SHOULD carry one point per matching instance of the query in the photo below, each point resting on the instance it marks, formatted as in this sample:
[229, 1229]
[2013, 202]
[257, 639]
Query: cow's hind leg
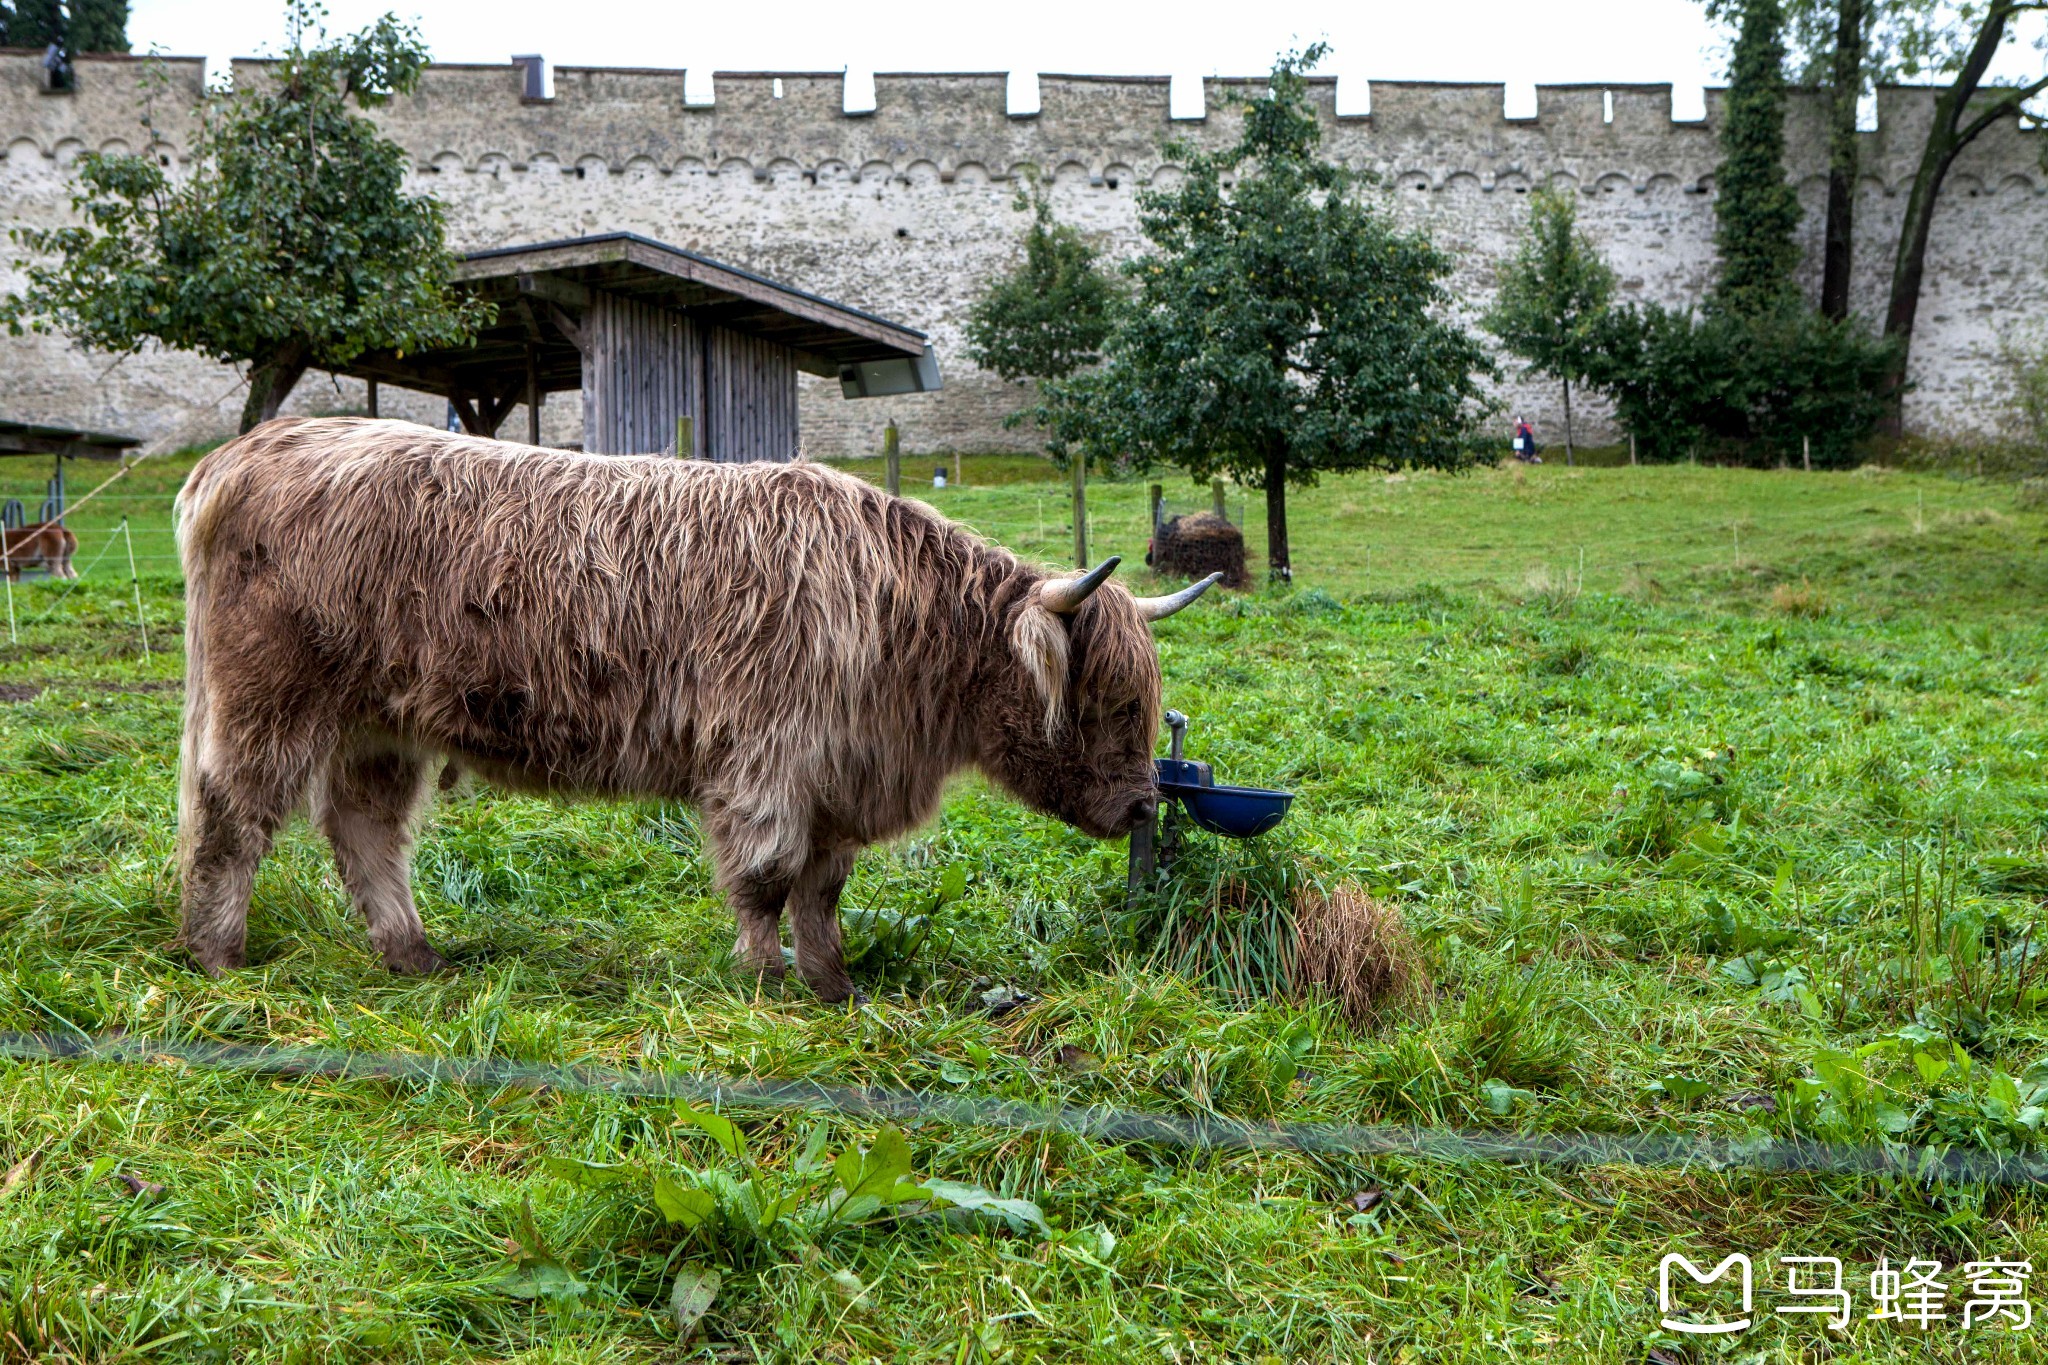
[757, 905]
[249, 775]
[814, 923]
[365, 807]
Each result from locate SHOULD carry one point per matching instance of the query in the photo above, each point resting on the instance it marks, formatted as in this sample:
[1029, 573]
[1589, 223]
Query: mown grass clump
[1667, 859]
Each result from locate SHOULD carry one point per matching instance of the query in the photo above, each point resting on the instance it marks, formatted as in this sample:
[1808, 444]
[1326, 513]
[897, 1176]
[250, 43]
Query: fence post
[371, 386]
[686, 434]
[135, 581]
[1806, 452]
[892, 459]
[1216, 500]
[957, 480]
[7, 572]
[1158, 492]
[1631, 448]
[1079, 466]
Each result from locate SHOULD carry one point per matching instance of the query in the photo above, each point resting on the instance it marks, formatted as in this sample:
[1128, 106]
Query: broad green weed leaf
[812, 1158]
[1019, 1214]
[590, 1173]
[720, 1129]
[954, 884]
[683, 1204]
[1501, 1097]
[1684, 1089]
[696, 1288]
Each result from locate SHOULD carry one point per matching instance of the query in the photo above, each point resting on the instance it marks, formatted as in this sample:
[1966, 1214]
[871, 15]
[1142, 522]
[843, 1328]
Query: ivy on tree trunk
[1845, 78]
[1959, 119]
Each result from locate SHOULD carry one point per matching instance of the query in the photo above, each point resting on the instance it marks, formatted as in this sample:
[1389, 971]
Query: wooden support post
[533, 397]
[1144, 865]
[1158, 492]
[686, 438]
[892, 459]
[1079, 466]
[1631, 448]
[957, 480]
[1806, 452]
[371, 404]
[1216, 504]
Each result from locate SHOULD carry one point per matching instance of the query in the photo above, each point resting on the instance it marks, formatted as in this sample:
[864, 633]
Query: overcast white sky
[1517, 41]
[1529, 40]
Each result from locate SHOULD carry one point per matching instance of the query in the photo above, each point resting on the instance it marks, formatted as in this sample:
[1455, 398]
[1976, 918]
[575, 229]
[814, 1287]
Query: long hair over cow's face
[1073, 730]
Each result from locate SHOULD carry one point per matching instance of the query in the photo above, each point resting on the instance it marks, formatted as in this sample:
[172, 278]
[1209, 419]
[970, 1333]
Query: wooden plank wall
[751, 398]
[642, 369]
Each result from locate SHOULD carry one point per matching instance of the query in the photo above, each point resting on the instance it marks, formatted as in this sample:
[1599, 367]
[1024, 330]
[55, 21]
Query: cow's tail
[194, 514]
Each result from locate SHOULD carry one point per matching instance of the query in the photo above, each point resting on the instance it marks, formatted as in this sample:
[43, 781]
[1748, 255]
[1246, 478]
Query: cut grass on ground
[1724, 843]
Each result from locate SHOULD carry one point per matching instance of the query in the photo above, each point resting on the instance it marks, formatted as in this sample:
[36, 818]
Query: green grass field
[1737, 831]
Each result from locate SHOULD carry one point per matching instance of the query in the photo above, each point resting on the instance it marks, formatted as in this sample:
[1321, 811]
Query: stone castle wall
[908, 210]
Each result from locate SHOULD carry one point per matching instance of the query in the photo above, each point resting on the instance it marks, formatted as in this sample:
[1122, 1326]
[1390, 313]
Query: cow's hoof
[218, 964]
[838, 991]
[416, 961]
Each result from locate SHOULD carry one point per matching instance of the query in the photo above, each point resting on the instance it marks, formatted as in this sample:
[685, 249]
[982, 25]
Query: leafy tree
[1047, 318]
[99, 25]
[290, 245]
[36, 23]
[1280, 327]
[1756, 390]
[1969, 37]
[1553, 297]
[1950, 44]
[1756, 214]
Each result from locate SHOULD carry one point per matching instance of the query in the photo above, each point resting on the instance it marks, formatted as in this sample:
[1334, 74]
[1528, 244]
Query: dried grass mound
[1357, 949]
[1198, 544]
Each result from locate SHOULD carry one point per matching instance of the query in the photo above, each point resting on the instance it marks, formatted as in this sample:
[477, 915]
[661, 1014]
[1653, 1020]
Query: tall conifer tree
[36, 23]
[1756, 212]
[99, 26]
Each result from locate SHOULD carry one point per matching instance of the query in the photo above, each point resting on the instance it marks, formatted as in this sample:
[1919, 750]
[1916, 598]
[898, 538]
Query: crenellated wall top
[1107, 131]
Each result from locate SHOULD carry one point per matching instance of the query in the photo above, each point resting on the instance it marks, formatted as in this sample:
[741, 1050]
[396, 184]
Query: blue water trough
[1190, 786]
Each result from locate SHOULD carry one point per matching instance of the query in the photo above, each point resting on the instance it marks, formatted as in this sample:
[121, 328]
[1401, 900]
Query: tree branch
[2000, 108]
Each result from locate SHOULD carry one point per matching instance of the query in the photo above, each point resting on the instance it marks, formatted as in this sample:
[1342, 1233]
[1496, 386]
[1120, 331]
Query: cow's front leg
[814, 923]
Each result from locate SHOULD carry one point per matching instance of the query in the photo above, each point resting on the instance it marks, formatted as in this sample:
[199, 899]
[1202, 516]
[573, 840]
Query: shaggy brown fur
[802, 657]
[1357, 949]
[40, 545]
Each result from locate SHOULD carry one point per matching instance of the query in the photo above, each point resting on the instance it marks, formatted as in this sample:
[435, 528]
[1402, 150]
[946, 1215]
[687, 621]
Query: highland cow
[40, 545]
[801, 657]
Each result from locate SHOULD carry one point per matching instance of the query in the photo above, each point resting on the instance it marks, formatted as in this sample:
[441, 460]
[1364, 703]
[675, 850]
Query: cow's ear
[1039, 639]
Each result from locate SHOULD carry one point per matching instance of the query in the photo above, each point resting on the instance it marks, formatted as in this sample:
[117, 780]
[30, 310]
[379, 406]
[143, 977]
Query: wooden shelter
[672, 351]
[59, 444]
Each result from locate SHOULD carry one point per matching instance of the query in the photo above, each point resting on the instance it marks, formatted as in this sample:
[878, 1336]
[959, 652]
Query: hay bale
[1198, 544]
[1357, 949]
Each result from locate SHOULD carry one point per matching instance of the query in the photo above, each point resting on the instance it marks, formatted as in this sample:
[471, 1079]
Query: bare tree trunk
[1846, 76]
[1953, 129]
[271, 381]
[1278, 566]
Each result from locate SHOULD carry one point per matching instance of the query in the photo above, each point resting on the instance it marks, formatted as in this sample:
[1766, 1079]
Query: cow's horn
[1159, 608]
[1065, 595]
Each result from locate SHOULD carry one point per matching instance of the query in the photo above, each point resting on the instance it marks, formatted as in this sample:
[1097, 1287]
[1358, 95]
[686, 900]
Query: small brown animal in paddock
[40, 545]
[800, 656]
